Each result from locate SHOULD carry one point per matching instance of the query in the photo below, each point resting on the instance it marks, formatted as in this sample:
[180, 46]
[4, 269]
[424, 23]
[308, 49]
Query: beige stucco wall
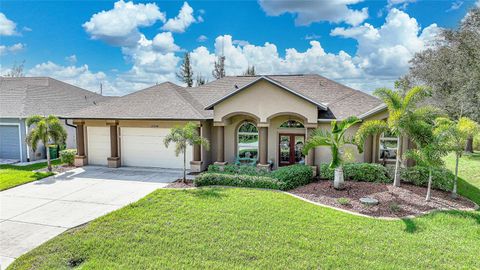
[263, 100]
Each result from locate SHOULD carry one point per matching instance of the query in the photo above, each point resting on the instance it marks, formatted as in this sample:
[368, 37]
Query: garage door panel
[9, 142]
[98, 145]
[144, 147]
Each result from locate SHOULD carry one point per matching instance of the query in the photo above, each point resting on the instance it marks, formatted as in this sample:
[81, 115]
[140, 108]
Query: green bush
[417, 175]
[67, 156]
[237, 180]
[476, 142]
[234, 169]
[293, 176]
[361, 172]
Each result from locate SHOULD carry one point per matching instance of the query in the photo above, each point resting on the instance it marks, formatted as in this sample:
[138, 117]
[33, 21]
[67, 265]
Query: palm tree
[335, 139]
[399, 108]
[45, 130]
[454, 137]
[182, 137]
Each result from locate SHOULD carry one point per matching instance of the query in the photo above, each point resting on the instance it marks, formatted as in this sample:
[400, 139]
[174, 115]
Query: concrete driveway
[35, 212]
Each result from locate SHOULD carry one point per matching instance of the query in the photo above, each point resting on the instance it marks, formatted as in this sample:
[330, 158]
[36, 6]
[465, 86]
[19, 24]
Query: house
[264, 118]
[26, 96]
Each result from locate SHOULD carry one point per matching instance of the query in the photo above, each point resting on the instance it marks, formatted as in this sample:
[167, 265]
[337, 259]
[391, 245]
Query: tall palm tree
[399, 108]
[336, 140]
[182, 137]
[45, 130]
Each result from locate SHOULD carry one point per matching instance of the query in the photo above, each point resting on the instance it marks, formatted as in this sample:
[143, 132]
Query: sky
[127, 46]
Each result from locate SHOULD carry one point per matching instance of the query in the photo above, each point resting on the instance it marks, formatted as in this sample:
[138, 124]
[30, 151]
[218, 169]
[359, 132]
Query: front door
[290, 149]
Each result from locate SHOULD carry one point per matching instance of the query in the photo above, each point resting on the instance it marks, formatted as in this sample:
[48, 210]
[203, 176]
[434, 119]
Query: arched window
[291, 124]
[247, 141]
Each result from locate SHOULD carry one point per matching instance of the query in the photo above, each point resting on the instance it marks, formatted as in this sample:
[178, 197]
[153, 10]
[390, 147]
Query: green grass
[468, 173]
[12, 176]
[231, 228]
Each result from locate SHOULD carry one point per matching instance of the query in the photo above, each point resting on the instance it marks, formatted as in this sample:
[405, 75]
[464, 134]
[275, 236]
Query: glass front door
[290, 149]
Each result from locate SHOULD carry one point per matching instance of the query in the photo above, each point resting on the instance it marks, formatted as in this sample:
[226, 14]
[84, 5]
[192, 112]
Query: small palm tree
[336, 140]
[45, 130]
[182, 137]
[454, 136]
[399, 107]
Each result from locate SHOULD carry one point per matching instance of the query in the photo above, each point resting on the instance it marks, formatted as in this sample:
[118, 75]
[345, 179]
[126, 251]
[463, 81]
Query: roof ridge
[180, 88]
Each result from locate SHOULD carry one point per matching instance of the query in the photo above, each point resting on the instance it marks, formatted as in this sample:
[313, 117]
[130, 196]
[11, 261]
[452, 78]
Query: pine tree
[250, 71]
[186, 73]
[219, 69]
[200, 80]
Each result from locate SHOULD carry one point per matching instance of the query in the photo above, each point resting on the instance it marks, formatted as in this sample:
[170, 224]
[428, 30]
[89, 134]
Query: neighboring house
[26, 96]
[265, 118]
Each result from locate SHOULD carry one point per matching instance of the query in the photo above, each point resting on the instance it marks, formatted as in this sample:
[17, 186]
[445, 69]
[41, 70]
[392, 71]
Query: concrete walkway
[35, 212]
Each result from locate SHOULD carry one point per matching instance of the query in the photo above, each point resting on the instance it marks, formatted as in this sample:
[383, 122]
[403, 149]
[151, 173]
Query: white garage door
[144, 147]
[98, 143]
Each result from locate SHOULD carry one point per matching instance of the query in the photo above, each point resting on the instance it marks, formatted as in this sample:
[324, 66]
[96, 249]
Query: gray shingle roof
[26, 96]
[170, 101]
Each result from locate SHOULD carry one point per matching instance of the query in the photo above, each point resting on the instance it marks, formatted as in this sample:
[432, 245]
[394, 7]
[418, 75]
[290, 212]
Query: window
[388, 146]
[291, 124]
[247, 141]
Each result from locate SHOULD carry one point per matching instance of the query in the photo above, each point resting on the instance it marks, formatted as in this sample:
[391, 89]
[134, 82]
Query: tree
[399, 107]
[451, 68]
[16, 70]
[45, 130]
[219, 68]
[200, 80]
[454, 135]
[335, 139]
[182, 137]
[250, 71]
[186, 73]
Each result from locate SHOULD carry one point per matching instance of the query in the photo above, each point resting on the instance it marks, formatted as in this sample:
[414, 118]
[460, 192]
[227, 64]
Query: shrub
[417, 175]
[234, 169]
[67, 156]
[361, 172]
[476, 142]
[343, 201]
[237, 180]
[394, 207]
[293, 176]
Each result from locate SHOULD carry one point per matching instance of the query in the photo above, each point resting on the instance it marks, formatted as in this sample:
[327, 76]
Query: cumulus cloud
[7, 27]
[80, 76]
[119, 26]
[11, 49]
[182, 21]
[164, 43]
[307, 12]
[202, 38]
[72, 59]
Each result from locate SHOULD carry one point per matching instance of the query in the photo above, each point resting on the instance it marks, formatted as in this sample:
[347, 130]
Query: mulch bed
[58, 169]
[179, 184]
[403, 201]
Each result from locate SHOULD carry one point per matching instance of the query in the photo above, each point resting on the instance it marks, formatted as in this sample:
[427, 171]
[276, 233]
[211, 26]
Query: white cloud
[202, 38]
[455, 5]
[11, 49]
[312, 36]
[478, 3]
[182, 21]
[399, 3]
[7, 27]
[119, 26]
[164, 43]
[307, 12]
[80, 76]
[240, 42]
[72, 59]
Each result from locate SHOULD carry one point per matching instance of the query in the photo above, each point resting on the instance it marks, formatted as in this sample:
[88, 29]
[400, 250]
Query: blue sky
[364, 44]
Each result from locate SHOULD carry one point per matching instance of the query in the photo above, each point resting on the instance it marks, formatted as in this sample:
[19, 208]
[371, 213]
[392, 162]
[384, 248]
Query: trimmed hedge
[284, 178]
[361, 172]
[67, 156]
[417, 175]
[237, 180]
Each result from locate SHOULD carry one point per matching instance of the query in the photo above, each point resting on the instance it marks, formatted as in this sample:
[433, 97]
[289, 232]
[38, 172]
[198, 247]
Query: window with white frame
[247, 141]
[388, 146]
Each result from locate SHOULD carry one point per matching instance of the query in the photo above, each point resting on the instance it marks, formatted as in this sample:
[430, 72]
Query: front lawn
[468, 173]
[231, 228]
[12, 176]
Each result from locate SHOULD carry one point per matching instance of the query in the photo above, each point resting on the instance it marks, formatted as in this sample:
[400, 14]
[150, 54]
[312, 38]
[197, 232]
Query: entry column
[80, 158]
[220, 145]
[114, 159]
[196, 163]
[263, 147]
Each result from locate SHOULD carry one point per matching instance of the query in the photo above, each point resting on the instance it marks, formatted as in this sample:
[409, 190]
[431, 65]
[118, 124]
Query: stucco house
[264, 118]
[26, 96]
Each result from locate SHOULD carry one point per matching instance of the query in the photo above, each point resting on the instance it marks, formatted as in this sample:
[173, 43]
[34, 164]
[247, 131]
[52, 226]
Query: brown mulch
[58, 169]
[179, 184]
[403, 201]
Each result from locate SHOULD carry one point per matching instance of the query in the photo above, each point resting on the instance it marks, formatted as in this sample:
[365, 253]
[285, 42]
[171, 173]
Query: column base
[196, 166]
[220, 164]
[80, 161]
[113, 162]
[265, 167]
[314, 171]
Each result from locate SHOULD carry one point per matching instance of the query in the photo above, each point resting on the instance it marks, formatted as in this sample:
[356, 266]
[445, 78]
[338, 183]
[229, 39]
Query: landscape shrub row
[362, 172]
[284, 178]
[441, 178]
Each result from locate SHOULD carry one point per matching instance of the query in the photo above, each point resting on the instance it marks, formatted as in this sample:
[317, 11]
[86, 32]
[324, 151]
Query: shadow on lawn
[207, 193]
[468, 190]
[411, 226]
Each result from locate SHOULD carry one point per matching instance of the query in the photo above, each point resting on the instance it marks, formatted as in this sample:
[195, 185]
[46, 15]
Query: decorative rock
[369, 201]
